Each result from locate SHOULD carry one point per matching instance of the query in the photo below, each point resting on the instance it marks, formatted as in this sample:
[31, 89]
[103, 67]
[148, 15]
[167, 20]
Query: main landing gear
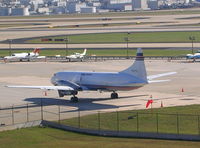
[74, 99]
[114, 95]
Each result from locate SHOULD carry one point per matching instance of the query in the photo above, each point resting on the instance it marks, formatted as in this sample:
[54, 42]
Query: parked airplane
[69, 83]
[193, 56]
[77, 56]
[25, 56]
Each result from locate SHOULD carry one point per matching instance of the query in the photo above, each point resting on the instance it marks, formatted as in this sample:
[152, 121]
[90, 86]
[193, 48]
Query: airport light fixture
[126, 39]
[66, 45]
[127, 47]
[10, 46]
[192, 38]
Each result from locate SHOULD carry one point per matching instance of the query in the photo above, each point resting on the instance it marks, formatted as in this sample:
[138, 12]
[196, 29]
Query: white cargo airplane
[69, 83]
[77, 56]
[24, 56]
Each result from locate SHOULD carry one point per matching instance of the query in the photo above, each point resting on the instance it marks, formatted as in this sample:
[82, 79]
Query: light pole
[127, 41]
[10, 43]
[192, 38]
[66, 45]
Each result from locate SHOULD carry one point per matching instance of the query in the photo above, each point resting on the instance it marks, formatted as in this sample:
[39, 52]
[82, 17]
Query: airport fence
[131, 121]
[100, 58]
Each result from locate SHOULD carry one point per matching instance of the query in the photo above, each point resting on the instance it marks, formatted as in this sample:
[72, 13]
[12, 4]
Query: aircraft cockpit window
[12, 54]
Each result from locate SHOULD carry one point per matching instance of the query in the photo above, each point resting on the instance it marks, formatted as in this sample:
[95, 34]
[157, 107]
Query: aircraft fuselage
[99, 80]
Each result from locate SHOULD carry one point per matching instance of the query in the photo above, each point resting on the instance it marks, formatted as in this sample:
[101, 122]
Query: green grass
[166, 118]
[51, 138]
[142, 37]
[109, 52]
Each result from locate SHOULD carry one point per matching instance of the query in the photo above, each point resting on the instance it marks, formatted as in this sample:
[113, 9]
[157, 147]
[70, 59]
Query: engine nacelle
[63, 93]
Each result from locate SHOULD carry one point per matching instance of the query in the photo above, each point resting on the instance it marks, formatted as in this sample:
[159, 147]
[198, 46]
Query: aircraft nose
[53, 80]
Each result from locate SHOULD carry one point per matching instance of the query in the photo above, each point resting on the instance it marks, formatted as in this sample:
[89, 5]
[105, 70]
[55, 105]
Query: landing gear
[74, 99]
[114, 95]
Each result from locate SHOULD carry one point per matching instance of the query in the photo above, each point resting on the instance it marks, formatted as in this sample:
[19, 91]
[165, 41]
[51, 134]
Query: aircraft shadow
[84, 104]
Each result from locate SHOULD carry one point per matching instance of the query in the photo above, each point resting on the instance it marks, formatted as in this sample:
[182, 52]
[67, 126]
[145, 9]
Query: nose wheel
[114, 95]
[74, 99]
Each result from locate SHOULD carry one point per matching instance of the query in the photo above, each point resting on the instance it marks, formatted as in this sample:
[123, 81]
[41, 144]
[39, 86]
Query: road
[118, 45]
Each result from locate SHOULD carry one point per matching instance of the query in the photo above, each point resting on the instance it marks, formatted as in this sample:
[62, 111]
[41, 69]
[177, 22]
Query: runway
[95, 46]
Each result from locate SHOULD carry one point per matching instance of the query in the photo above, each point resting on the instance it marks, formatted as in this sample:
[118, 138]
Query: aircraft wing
[43, 87]
[151, 77]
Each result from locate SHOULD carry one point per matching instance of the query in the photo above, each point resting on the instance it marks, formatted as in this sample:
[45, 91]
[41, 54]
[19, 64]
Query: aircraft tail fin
[84, 52]
[36, 50]
[138, 68]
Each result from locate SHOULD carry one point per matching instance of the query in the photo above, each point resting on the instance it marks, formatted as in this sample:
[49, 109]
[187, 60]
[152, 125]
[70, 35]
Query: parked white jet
[25, 56]
[77, 56]
[69, 83]
[193, 56]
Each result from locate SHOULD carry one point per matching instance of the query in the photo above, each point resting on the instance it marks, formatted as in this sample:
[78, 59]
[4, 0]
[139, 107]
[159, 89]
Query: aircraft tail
[138, 68]
[36, 50]
[84, 52]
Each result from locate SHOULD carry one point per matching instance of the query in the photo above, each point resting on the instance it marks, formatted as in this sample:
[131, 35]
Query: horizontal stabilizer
[157, 81]
[160, 75]
[43, 87]
[41, 57]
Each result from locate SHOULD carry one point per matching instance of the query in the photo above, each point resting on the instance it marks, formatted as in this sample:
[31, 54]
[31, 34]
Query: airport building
[87, 6]
[61, 3]
[88, 10]
[37, 1]
[5, 11]
[43, 10]
[58, 10]
[140, 4]
[74, 7]
[121, 5]
[20, 11]
[153, 4]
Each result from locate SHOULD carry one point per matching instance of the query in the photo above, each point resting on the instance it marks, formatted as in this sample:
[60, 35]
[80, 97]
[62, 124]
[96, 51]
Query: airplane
[193, 56]
[70, 82]
[24, 56]
[77, 56]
